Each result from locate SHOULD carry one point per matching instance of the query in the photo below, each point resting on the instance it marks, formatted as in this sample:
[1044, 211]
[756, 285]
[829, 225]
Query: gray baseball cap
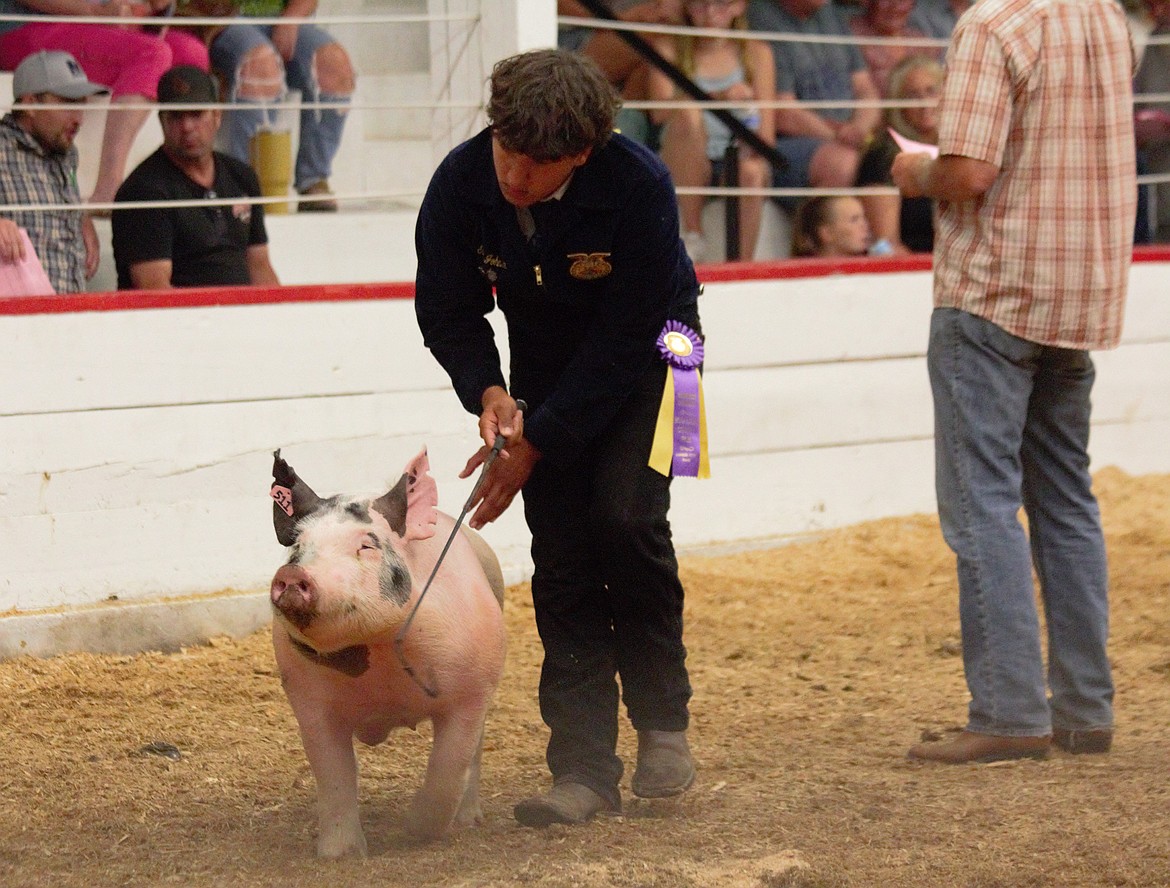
[53, 72]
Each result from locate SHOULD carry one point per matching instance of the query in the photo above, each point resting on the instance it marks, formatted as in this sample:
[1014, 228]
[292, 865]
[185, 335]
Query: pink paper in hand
[912, 147]
[1155, 115]
[25, 277]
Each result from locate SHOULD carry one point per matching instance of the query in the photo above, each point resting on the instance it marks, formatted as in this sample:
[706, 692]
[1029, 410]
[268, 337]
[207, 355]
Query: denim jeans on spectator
[1012, 430]
[320, 129]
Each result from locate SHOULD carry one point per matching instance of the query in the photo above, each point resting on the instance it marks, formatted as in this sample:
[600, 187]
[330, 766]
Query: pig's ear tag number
[283, 497]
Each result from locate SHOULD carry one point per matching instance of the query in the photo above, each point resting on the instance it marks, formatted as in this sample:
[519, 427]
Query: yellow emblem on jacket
[589, 266]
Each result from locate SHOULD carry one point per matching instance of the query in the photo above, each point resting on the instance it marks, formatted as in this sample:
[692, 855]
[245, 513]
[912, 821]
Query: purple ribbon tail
[686, 422]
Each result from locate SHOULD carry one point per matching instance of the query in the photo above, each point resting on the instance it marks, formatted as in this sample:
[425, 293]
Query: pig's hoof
[337, 847]
[468, 817]
[424, 825]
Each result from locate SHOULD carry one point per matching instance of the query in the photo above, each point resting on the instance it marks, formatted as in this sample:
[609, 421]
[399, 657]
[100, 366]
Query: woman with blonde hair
[906, 223]
[693, 142]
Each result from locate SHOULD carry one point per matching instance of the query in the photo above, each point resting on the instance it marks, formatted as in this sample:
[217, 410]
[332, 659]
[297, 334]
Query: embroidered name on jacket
[489, 263]
[589, 266]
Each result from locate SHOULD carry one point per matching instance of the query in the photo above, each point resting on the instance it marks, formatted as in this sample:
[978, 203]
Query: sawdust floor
[815, 666]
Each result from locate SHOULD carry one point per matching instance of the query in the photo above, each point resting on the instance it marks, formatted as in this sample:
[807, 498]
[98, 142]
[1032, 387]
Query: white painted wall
[135, 445]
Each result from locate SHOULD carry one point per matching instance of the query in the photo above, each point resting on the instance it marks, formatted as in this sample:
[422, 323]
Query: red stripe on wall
[129, 300]
[194, 297]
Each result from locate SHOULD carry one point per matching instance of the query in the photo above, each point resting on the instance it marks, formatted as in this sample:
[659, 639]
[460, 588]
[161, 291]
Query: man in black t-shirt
[217, 244]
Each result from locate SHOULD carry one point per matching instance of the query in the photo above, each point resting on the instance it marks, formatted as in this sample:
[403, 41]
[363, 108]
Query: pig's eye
[371, 542]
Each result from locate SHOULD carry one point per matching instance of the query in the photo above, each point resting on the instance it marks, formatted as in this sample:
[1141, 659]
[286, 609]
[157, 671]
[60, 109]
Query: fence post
[731, 208]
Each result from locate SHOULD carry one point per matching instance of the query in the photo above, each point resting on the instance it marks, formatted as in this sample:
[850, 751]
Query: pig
[355, 570]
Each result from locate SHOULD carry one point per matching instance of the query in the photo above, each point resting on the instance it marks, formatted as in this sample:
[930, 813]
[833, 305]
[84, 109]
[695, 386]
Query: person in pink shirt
[123, 57]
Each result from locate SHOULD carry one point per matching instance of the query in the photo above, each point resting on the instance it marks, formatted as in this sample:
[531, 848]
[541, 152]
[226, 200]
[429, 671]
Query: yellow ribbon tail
[662, 450]
[704, 455]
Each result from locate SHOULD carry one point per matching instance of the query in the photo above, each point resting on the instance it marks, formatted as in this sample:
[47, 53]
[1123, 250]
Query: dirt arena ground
[815, 666]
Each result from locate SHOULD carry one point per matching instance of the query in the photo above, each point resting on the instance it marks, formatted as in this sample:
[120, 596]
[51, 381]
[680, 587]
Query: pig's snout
[294, 594]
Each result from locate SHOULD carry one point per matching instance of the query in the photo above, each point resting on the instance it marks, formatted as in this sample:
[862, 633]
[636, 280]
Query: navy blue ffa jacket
[584, 301]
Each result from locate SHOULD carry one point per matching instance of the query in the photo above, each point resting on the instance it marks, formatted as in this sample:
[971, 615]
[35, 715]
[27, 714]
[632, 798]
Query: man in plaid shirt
[1036, 193]
[38, 165]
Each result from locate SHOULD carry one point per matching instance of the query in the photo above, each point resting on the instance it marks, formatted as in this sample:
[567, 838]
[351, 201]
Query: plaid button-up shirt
[30, 175]
[1042, 90]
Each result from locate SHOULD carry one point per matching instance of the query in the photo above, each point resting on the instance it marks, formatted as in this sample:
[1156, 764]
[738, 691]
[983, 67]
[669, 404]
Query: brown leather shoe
[972, 747]
[1091, 740]
[564, 803]
[324, 203]
[665, 767]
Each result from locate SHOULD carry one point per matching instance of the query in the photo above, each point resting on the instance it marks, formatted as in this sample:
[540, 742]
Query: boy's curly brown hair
[549, 104]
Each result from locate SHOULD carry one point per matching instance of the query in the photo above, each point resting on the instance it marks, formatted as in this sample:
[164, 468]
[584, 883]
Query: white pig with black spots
[355, 569]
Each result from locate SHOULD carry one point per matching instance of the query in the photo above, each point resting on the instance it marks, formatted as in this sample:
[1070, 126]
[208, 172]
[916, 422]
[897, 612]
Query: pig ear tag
[283, 497]
[292, 500]
[400, 636]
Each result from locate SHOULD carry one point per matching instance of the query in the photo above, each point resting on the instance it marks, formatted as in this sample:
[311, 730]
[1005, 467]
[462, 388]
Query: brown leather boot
[564, 803]
[320, 190]
[971, 747]
[1078, 742]
[665, 767]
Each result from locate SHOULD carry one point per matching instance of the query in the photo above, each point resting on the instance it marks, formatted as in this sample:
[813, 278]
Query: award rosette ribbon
[680, 436]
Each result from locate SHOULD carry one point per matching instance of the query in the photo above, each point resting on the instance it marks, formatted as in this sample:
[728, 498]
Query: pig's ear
[293, 500]
[410, 506]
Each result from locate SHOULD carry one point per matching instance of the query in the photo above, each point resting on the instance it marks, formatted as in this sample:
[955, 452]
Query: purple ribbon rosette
[682, 405]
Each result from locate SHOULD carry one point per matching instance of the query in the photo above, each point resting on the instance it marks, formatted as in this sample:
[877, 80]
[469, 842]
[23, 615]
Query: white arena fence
[137, 428]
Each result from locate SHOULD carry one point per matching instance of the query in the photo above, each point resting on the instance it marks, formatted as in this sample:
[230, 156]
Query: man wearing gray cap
[38, 165]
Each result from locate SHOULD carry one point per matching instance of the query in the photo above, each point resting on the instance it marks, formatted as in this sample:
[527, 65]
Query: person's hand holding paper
[912, 147]
[21, 273]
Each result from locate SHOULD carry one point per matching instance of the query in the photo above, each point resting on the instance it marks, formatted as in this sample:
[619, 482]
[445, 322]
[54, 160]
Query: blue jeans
[1012, 431]
[321, 129]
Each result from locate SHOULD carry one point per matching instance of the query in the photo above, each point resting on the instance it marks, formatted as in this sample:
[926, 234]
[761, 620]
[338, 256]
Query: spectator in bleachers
[906, 222]
[830, 225]
[936, 18]
[164, 247]
[38, 165]
[694, 142]
[887, 18]
[622, 65]
[822, 146]
[260, 63]
[1152, 119]
[123, 57]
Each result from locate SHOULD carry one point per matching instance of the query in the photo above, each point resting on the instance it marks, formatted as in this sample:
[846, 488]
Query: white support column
[463, 53]
[512, 26]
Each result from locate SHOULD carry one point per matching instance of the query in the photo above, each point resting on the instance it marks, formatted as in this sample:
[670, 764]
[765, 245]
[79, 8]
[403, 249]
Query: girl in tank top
[693, 141]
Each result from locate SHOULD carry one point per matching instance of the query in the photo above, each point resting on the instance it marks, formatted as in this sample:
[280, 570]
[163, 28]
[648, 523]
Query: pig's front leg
[469, 813]
[455, 750]
[329, 748]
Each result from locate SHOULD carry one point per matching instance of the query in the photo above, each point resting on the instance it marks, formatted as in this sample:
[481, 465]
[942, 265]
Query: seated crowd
[844, 145]
[58, 65]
